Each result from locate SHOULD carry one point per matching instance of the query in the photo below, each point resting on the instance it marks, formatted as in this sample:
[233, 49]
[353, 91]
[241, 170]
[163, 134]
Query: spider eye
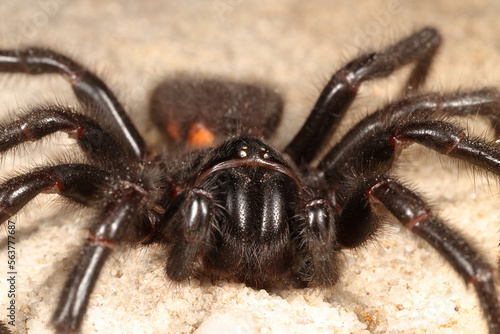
[242, 153]
[265, 153]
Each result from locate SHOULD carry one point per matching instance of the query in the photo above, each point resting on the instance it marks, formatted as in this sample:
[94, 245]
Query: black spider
[227, 205]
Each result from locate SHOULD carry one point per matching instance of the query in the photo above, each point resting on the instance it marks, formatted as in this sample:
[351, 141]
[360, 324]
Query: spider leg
[417, 217]
[87, 87]
[114, 220]
[77, 182]
[450, 140]
[375, 139]
[484, 103]
[339, 93]
[96, 142]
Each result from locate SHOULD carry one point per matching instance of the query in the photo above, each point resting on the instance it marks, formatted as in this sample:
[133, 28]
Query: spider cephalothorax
[222, 201]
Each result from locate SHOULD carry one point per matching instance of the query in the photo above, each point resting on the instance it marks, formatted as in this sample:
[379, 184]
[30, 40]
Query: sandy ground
[396, 285]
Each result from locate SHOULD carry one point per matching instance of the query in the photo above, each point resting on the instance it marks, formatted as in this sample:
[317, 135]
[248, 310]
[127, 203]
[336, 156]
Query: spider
[227, 205]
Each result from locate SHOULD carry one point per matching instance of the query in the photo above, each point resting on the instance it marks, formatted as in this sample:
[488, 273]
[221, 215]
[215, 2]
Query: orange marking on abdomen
[173, 131]
[200, 136]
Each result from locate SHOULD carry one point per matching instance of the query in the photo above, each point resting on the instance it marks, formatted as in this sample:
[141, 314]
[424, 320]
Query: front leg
[358, 224]
[416, 216]
[112, 223]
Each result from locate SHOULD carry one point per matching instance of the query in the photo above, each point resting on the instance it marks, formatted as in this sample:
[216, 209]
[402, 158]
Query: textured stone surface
[395, 285]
